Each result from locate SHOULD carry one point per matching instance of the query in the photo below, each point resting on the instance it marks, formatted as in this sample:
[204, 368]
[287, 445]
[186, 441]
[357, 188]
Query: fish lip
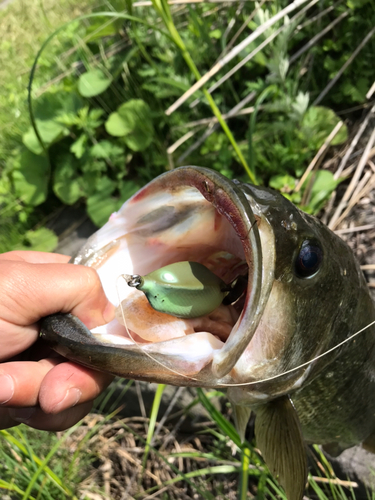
[230, 201]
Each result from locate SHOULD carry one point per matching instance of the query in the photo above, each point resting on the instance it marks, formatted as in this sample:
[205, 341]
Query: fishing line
[268, 379]
[137, 343]
[303, 364]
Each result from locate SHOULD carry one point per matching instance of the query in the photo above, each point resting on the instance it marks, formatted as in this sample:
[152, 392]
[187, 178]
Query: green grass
[104, 456]
[24, 25]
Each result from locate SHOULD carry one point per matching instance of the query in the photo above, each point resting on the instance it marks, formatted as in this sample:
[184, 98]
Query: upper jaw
[172, 219]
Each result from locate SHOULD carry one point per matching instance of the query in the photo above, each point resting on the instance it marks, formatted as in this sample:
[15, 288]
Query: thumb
[30, 291]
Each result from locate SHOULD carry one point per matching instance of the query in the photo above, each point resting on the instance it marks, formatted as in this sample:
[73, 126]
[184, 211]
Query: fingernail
[22, 414]
[6, 388]
[70, 399]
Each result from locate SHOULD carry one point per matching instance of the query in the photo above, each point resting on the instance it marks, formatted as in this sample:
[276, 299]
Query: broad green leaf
[30, 177]
[324, 185]
[324, 181]
[50, 131]
[51, 105]
[90, 180]
[215, 34]
[139, 139]
[106, 149]
[40, 240]
[321, 190]
[134, 112]
[93, 83]
[69, 192]
[100, 209]
[132, 120]
[101, 205]
[116, 126]
[67, 183]
[106, 186]
[100, 29]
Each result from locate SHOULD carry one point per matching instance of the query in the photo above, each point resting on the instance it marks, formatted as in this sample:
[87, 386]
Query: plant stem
[162, 7]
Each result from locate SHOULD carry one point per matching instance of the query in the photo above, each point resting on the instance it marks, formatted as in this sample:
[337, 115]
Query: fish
[284, 349]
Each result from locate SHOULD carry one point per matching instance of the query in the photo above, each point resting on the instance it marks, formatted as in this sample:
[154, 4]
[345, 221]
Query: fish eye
[309, 259]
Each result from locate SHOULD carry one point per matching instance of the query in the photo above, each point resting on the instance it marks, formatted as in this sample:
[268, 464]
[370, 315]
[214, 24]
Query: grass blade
[153, 417]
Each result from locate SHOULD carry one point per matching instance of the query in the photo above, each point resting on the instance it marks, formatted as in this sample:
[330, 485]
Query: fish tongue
[136, 314]
[278, 436]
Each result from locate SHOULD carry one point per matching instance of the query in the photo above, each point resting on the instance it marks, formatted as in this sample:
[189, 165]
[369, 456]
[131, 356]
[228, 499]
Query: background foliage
[102, 84]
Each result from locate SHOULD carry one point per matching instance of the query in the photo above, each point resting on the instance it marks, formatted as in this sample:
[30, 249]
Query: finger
[68, 384]
[35, 257]
[36, 418]
[51, 383]
[31, 291]
[20, 381]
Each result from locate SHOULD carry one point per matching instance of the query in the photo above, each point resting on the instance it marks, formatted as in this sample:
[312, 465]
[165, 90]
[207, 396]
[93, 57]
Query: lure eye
[309, 259]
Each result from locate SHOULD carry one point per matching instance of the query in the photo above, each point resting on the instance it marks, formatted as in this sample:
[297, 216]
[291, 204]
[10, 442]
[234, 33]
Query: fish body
[305, 295]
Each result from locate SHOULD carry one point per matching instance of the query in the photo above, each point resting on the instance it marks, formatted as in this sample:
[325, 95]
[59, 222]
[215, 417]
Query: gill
[243, 384]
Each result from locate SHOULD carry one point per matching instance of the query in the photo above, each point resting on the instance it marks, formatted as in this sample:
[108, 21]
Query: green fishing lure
[183, 289]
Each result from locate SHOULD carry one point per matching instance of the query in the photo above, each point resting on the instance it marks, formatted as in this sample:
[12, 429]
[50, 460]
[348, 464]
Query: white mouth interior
[151, 232]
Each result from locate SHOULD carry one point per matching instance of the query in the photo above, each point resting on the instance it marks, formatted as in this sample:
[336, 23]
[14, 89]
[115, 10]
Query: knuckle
[92, 280]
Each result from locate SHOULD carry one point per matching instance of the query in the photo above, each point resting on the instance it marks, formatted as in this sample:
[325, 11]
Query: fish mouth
[188, 214]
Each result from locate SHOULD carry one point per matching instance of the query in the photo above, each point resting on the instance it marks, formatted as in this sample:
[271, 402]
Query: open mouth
[186, 215]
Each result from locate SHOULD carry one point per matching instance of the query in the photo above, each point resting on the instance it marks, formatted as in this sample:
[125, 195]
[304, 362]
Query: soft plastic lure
[183, 289]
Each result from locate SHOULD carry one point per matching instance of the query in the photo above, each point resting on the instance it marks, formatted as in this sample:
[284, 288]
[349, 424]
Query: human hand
[45, 391]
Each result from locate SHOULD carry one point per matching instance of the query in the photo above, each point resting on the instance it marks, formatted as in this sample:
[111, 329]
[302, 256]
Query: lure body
[182, 289]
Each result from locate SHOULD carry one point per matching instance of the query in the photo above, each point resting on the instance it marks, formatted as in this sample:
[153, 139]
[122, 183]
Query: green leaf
[50, 131]
[51, 105]
[317, 123]
[116, 126]
[132, 120]
[106, 149]
[68, 192]
[100, 29]
[215, 33]
[40, 240]
[67, 183]
[324, 185]
[139, 139]
[284, 183]
[129, 188]
[78, 147]
[101, 205]
[30, 177]
[93, 83]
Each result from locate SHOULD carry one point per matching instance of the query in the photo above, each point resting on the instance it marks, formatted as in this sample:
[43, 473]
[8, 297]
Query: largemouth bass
[305, 294]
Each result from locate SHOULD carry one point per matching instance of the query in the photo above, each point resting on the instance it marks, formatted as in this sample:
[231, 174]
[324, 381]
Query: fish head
[285, 317]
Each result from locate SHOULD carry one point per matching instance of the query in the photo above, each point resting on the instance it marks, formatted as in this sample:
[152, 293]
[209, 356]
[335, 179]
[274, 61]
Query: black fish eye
[309, 259]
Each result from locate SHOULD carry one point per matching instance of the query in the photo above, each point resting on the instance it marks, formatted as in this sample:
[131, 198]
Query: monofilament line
[303, 364]
[126, 277]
